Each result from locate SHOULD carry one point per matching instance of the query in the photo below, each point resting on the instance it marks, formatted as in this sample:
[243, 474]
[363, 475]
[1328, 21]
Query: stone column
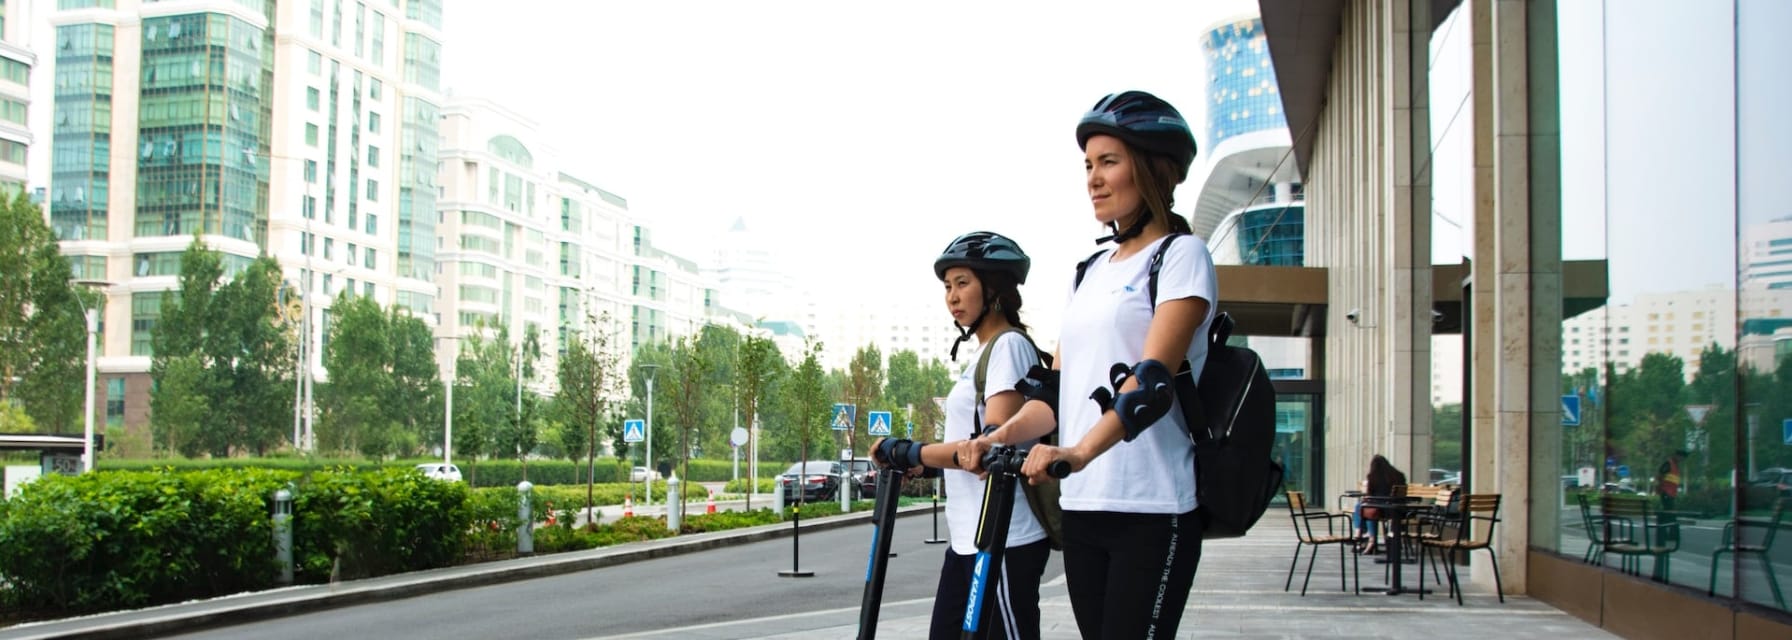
[1502, 289]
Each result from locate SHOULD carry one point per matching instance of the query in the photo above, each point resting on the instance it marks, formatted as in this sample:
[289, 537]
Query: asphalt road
[722, 593]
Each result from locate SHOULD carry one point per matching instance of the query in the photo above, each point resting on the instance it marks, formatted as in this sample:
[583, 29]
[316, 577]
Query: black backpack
[1042, 498]
[1231, 416]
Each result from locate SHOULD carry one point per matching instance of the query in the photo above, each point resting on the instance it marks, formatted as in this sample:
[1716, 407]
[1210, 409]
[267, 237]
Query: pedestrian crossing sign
[880, 423]
[633, 430]
[845, 414]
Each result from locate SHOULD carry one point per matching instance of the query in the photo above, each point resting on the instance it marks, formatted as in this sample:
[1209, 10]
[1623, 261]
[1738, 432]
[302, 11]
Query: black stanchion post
[796, 533]
[936, 539]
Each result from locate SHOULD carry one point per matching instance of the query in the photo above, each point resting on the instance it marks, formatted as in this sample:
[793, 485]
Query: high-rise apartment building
[1681, 324]
[1767, 255]
[300, 129]
[16, 61]
[524, 244]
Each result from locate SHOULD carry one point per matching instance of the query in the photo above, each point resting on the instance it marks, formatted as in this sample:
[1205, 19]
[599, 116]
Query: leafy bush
[351, 524]
[122, 539]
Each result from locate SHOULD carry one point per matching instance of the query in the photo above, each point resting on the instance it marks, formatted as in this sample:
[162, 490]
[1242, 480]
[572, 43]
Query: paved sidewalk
[1238, 594]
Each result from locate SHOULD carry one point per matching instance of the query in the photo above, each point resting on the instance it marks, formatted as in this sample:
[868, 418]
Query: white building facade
[300, 129]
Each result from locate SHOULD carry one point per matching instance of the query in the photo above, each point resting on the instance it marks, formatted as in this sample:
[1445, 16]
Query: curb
[288, 601]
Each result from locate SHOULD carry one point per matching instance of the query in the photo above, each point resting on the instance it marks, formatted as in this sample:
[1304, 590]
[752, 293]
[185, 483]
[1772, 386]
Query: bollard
[845, 492]
[778, 498]
[674, 504]
[283, 534]
[525, 528]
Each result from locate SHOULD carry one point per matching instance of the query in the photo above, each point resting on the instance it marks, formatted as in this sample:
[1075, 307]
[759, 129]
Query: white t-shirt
[1106, 322]
[1012, 357]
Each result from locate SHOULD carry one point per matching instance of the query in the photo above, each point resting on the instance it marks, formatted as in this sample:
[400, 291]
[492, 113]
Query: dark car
[864, 478]
[1778, 479]
[813, 481]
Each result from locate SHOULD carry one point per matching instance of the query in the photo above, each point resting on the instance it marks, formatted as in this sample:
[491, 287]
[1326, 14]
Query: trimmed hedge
[121, 539]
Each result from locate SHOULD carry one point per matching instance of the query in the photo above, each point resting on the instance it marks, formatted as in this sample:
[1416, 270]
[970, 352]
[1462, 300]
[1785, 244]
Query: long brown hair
[1156, 176]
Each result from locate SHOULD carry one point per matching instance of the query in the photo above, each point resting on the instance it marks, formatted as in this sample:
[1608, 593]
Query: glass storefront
[1675, 443]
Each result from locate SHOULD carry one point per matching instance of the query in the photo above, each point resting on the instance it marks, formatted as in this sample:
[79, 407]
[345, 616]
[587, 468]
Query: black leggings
[1129, 573]
[1016, 598]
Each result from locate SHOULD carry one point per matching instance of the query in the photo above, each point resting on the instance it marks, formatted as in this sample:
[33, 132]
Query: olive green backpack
[1043, 498]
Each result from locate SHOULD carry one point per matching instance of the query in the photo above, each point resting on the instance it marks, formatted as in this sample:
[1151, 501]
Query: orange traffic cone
[712, 503]
[628, 506]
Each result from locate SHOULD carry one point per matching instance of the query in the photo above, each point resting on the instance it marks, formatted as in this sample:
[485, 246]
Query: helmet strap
[966, 331]
[1132, 231]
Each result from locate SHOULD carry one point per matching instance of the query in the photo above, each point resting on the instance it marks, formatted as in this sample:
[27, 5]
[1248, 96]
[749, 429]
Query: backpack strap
[982, 375]
[1083, 268]
[1157, 264]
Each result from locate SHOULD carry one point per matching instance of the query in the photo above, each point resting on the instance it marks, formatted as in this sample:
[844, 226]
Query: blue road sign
[633, 430]
[845, 414]
[880, 422]
[1786, 430]
[1571, 411]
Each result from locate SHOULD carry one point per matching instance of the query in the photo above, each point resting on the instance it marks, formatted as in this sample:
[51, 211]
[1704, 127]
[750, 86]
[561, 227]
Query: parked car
[440, 471]
[1778, 478]
[864, 478]
[812, 481]
[642, 474]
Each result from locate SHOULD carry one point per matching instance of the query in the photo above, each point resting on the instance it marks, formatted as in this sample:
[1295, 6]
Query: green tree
[42, 327]
[757, 366]
[718, 346]
[590, 381]
[657, 357]
[1648, 419]
[864, 388]
[485, 386]
[245, 361]
[1713, 385]
[383, 387]
[806, 400]
[690, 373]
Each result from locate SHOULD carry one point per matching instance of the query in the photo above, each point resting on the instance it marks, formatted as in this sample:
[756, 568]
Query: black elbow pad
[1040, 384]
[1142, 407]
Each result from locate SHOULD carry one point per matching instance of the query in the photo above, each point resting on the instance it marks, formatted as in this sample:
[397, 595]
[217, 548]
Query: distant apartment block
[300, 129]
[524, 244]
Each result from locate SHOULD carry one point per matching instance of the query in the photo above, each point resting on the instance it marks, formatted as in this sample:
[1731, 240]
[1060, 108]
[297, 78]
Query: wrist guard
[900, 454]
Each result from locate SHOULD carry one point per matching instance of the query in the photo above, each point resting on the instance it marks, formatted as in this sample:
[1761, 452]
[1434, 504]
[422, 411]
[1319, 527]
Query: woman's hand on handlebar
[1042, 457]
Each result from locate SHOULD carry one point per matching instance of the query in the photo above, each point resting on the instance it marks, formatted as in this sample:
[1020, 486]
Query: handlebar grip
[1058, 469]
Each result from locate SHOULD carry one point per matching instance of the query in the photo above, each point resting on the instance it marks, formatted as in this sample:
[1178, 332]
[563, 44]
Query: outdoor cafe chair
[1304, 518]
[1634, 529]
[1594, 523]
[1473, 523]
[1732, 545]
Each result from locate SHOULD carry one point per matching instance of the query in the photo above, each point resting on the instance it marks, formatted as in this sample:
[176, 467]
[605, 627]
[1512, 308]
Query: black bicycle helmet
[1143, 121]
[984, 251]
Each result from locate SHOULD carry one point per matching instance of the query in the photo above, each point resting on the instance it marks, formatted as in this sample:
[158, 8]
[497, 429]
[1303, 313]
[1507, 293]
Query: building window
[373, 190]
[310, 207]
[369, 262]
[373, 225]
[373, 122]
[310, 134]
[367, 288]
[311, 171]
[314, 63]
[353, 254]
[329, 248]
[374, 85]
[311, 98]
[373, 156]
[329, 281]
[114, 402]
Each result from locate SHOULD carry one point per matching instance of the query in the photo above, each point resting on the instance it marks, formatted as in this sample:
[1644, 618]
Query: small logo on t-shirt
[1124, 289]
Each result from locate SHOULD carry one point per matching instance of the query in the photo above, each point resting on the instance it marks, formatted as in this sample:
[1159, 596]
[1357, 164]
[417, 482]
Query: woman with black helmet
[1131, 537]
[982, 273]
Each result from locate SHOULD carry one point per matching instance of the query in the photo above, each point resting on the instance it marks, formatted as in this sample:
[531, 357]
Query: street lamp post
[92, 316]
[93, 327]
[649, 369]
[302, 438]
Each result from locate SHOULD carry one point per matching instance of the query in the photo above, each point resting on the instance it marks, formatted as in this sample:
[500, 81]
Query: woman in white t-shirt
[982, 273]
[1131, 537]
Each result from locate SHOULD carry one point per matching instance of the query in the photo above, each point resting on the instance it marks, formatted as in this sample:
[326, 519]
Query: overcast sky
[864, 136]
